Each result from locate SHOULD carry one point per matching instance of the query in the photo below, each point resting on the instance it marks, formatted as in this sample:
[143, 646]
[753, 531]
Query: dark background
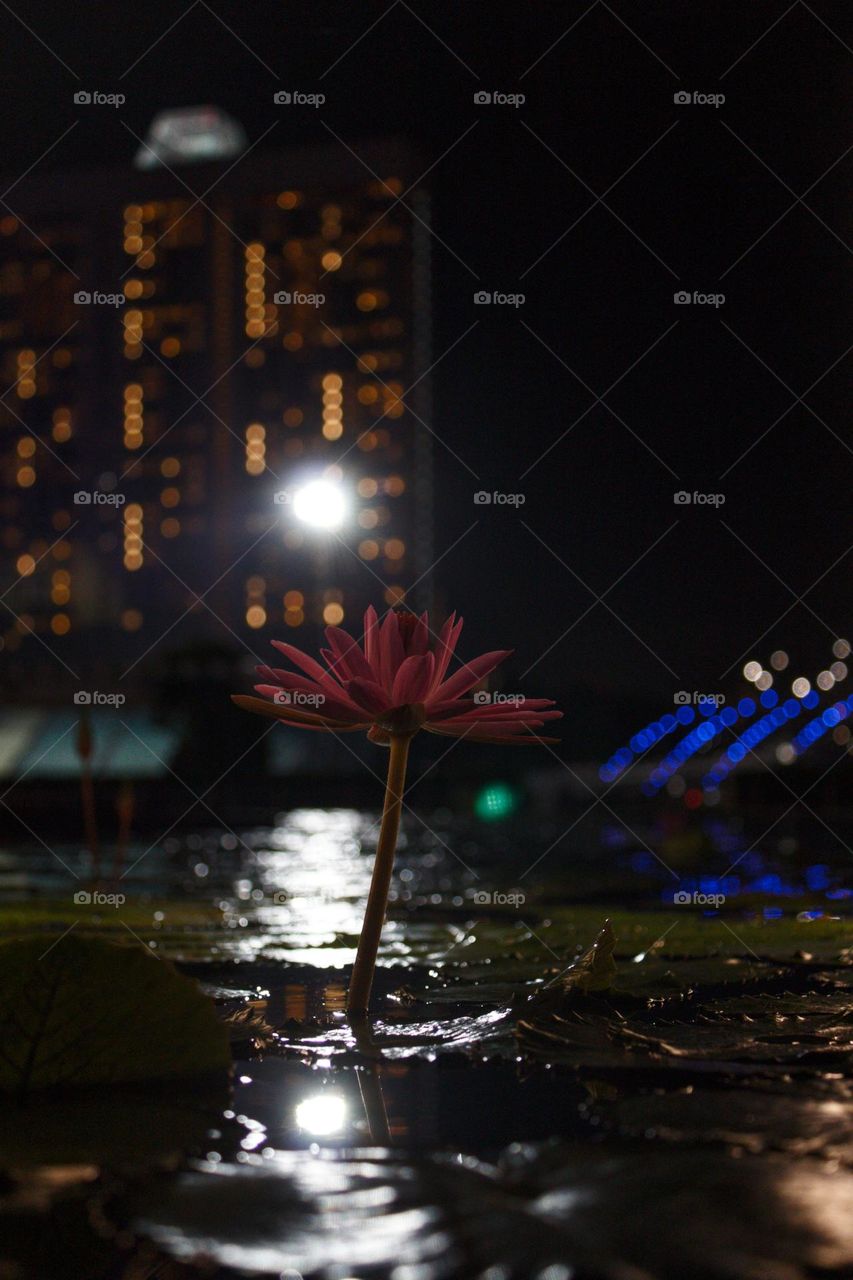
[599, 96]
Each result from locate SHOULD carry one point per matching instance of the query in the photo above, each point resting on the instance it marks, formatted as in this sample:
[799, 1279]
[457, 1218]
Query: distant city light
[321, 504]
[752, 670]
[188, 135]
[496, 800]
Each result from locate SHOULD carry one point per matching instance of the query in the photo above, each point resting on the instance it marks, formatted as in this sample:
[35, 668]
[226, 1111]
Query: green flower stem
[377, 900]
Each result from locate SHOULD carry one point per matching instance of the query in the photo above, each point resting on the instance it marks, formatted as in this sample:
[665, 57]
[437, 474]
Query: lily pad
[83, 1011]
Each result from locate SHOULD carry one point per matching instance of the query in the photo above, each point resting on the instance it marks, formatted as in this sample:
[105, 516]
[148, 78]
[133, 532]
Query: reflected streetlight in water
[322, 1114]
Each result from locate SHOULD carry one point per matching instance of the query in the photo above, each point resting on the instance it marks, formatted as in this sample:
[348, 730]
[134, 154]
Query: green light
[495, 801]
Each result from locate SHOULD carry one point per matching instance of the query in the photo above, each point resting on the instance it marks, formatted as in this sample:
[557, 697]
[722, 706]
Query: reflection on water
[322, 1114]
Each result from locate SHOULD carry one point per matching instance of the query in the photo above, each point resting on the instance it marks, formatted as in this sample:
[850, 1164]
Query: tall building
[218, 395]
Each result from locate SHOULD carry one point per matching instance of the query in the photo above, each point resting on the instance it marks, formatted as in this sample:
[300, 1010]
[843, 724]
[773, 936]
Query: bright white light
[321, 504]
[322, 1114]
[800, 687]
[752, 670]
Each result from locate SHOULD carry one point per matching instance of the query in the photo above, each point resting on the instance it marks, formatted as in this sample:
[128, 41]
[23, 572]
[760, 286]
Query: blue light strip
[695, 740]
[757, 732]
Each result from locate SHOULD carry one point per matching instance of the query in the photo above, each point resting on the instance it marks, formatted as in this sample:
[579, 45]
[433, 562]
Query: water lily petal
[469, 674]
[413, 679]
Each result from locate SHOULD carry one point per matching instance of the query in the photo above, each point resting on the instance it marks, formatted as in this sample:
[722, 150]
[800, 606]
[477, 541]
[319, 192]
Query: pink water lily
[396, 683]
[392, 685]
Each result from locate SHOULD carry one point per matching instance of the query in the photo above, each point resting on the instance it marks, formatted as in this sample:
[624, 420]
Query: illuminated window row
[133, 537]
[333, 427]
[133, 415]
[256, 449]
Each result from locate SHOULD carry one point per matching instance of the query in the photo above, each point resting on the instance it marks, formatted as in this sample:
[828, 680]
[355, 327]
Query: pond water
[690, 1114]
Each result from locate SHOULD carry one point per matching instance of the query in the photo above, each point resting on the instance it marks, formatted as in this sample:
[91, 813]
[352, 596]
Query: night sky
[598, 199]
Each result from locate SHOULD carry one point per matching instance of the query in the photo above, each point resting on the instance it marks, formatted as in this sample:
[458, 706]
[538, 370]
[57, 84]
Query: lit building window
[256, 613]
[395, 595]
[25, 383]
[133, 537]
[131, 619]
[256, 449]
[25, 565]
[169, 468]
[60, 590]
[61, 424]
[170, 497]
[395, 549]
[26, 477]
[133, 322]
[60, 624]
[367, 487]
[368, 549]
[331, 261]
[333, 614]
